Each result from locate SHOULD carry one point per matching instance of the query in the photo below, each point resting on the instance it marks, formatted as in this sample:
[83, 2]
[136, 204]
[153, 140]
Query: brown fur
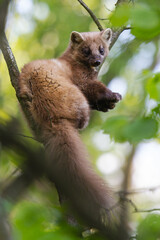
[60, 94]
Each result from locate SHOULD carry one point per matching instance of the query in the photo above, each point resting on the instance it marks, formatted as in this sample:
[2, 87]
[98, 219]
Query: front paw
[107, 100]
[111, 96]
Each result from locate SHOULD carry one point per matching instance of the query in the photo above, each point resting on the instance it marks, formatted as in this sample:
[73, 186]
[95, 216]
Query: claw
[112, 106]
[118, 97]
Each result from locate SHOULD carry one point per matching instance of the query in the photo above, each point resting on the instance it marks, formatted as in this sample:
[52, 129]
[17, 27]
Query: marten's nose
[97, 63]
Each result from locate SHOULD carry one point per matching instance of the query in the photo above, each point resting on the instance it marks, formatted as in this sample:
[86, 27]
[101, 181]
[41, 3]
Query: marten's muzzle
[95, 61]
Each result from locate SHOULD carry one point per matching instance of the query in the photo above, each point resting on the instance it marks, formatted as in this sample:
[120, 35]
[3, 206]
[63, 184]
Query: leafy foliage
[149, 229]
[143, 17]
[134, 59]
[153, 87]
[35, 221]
[122, 128]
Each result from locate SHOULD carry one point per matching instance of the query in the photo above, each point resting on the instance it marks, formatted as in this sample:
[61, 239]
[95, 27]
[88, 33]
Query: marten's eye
[101, 50]
[86, 51]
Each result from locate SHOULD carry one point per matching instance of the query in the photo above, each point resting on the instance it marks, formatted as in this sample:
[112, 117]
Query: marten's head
[90, 48]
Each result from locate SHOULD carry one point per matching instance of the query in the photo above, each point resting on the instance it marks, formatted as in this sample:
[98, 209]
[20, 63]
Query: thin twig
[120, 2]
[137, 210]
[147, 210]
[8, 178]
[93, 16]
[132, 204]
[139, 191]
[25, 136]
[116, 32]
[108, 8]
[103, 19]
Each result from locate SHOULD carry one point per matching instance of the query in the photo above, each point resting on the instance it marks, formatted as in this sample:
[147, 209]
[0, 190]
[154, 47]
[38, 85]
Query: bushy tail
[75, 178]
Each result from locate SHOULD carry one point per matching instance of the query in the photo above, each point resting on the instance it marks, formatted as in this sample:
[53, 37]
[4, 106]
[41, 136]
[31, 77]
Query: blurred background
[123, 144]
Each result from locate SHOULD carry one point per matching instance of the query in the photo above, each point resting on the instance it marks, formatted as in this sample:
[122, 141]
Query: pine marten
[61, 93]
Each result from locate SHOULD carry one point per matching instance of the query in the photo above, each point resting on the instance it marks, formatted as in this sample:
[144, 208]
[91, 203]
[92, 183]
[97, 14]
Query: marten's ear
[107, 35]
[76, 37]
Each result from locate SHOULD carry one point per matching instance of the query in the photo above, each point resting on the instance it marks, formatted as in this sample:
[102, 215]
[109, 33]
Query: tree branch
[14, 76]
[3, 13]
[11, 63]
[120, 2]
[4, 46]
[16, 188]
[126, 182]
[116, 32]
[137, 210]
[147, 210]
[115, 36]
[139, 191]
[93, 16]
[14, 191]
[10, 60]
[32, 165]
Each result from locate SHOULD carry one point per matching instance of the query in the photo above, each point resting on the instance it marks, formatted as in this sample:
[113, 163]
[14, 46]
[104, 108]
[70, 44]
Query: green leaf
[34, 221]
[122, 128]
[153, 87]
[120, 16]
[115, 127]
[145, 22]
[141, 128]
[149, 228]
